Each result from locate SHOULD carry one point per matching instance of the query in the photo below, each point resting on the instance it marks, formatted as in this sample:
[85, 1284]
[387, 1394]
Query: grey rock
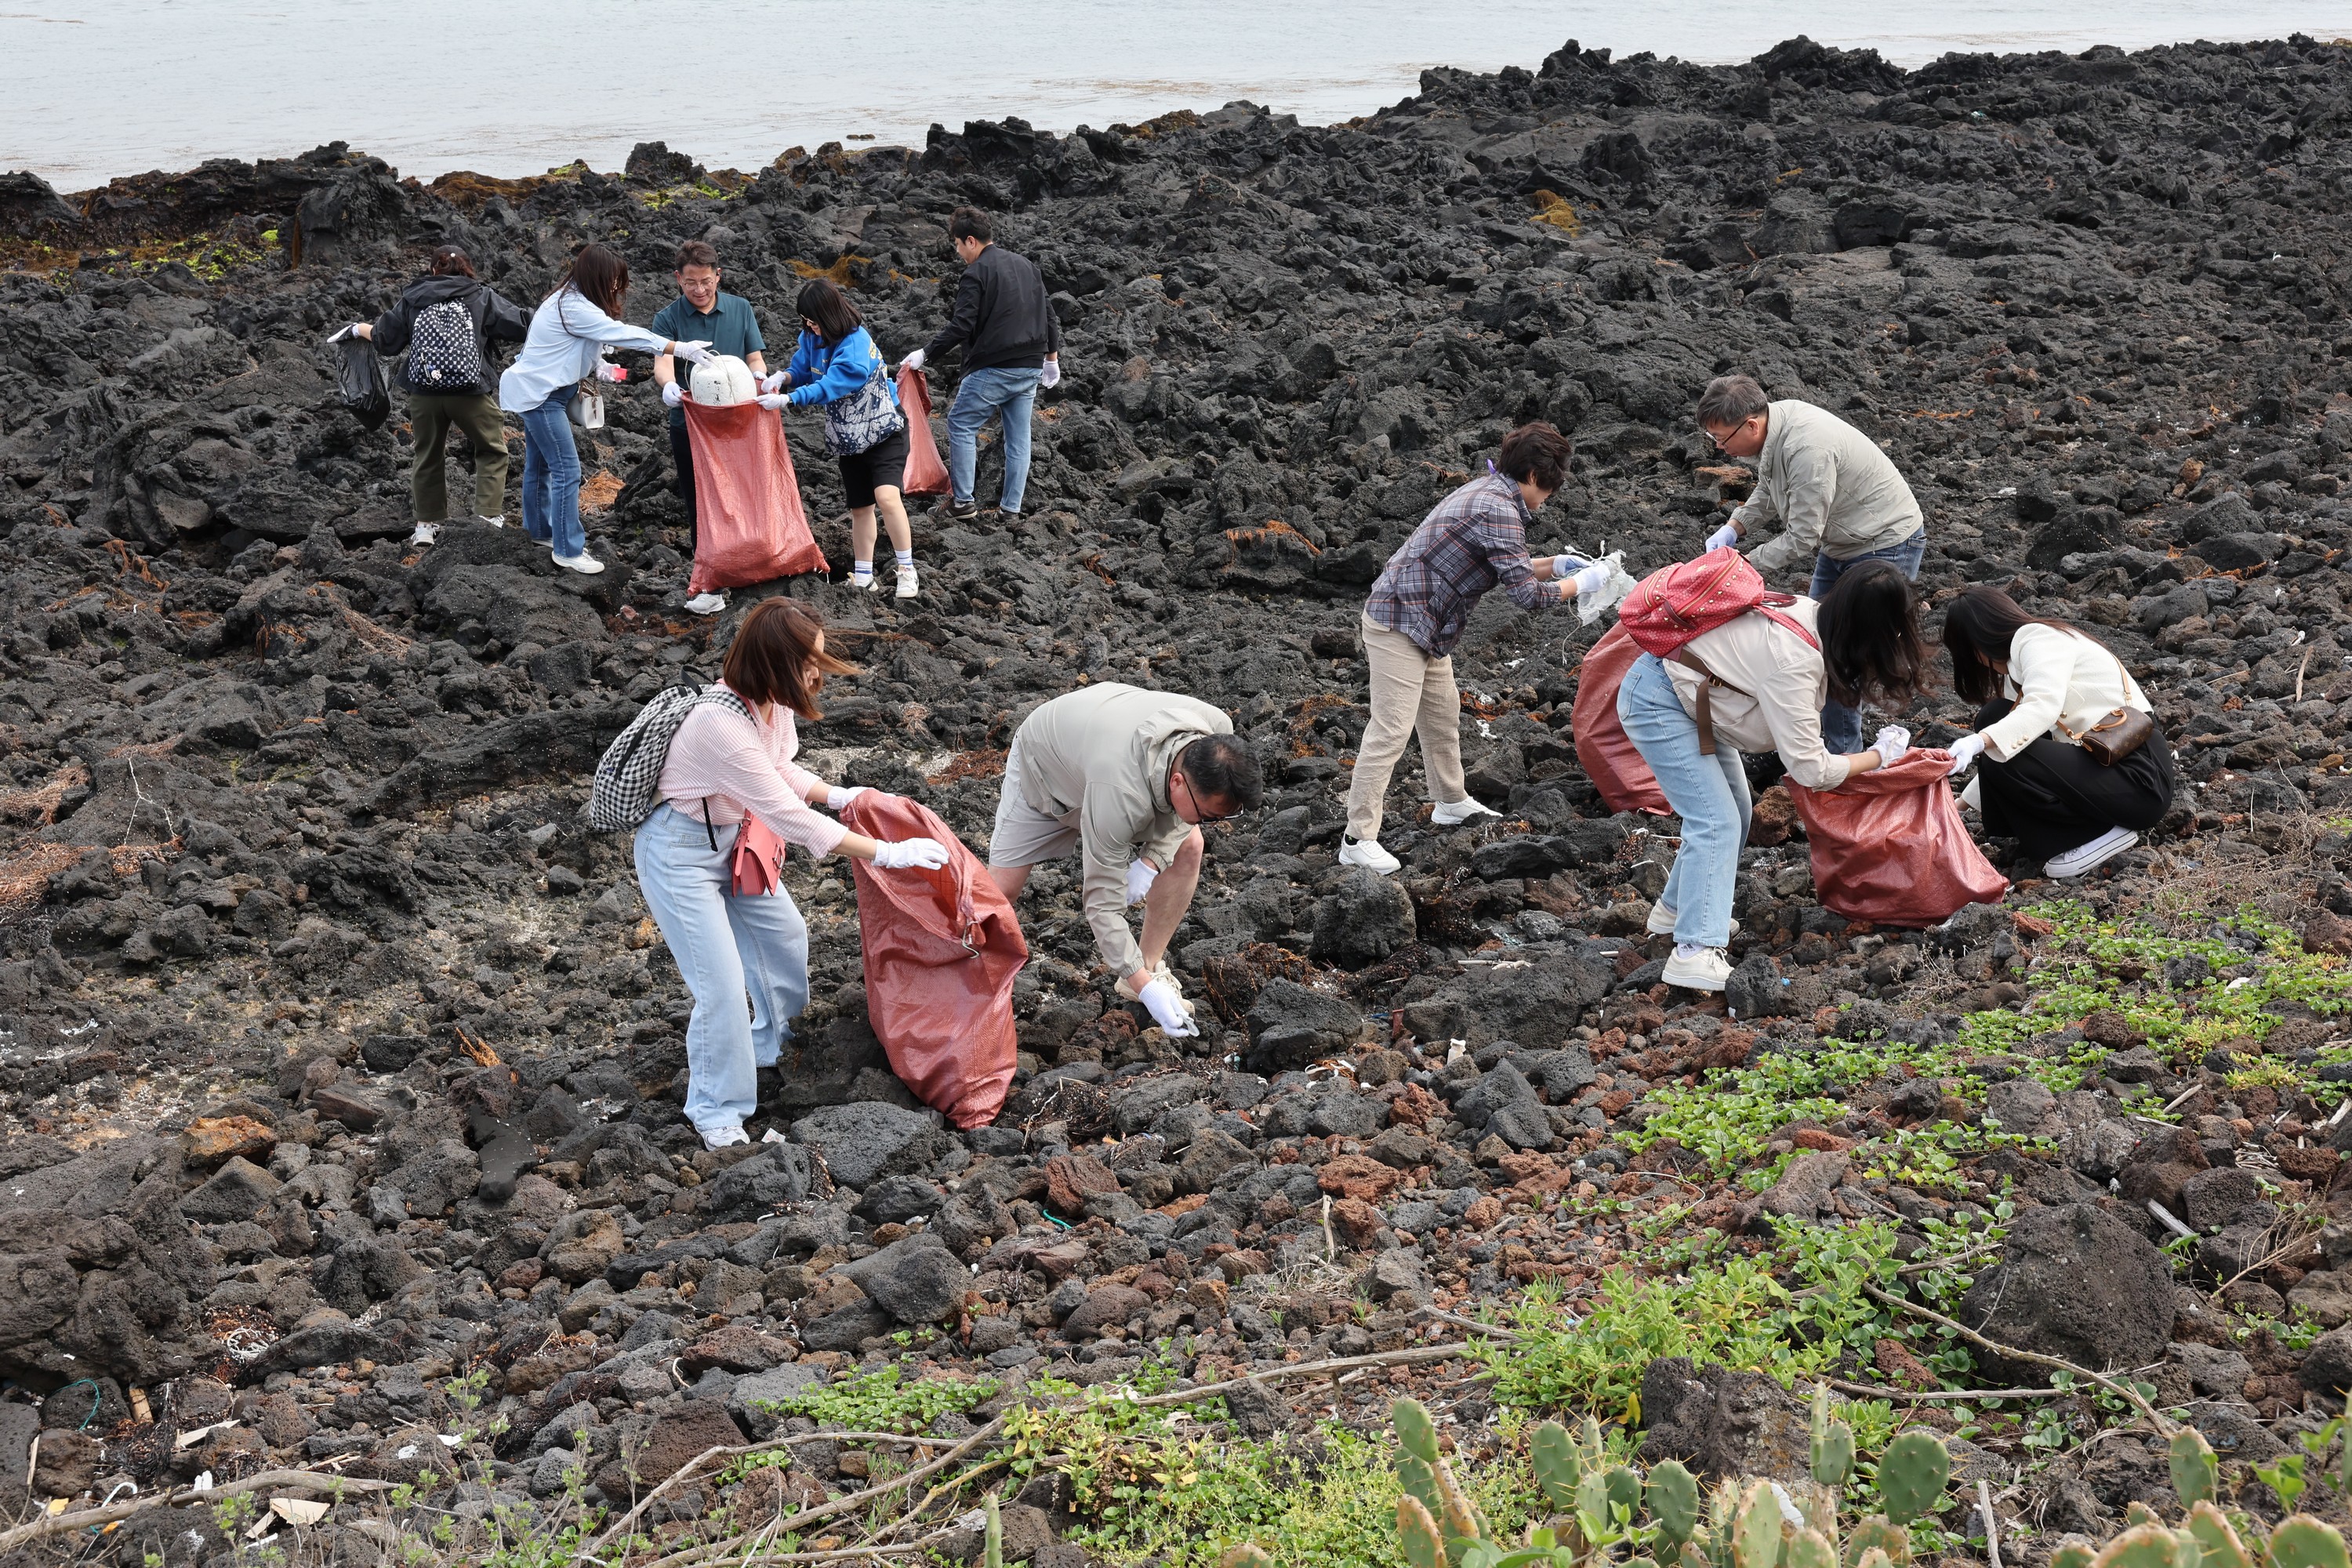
[1804, 1188]
[779, 1175]
[2021, 1105]
[2213, 1372]
[2076, 1282]
[1367, 918]
[915, 1279]
[749, 1399]
[1291, 1024]
[238, 1190]
[1723, 1423]
[869, 1139]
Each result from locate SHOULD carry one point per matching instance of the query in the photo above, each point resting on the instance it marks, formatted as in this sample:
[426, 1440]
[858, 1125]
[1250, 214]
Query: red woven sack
[1670, 606]
[941, 948]
[1889, 846]
[1602, 747]
[926, 474]
[749, 524]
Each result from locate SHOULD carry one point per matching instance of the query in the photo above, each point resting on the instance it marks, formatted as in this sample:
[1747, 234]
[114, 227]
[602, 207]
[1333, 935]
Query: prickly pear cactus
[2195, 1472]
[1558, 1466]
[2219, 1541]
[1756, 1534]
[2303, 1542]
[2142, 1546]
[1911, 1475]
[1833, 1443]
[992, 1549]
[1891, 1542]
[1673, 1495]
[1417, 1532]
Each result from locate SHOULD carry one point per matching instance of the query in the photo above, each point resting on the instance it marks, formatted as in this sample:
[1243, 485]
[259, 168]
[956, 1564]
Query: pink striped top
[718, 757]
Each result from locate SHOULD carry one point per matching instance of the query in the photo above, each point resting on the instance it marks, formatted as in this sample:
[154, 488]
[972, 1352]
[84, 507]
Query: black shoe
[963, 510]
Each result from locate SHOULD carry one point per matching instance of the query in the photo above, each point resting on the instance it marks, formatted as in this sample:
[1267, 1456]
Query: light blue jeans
[1709, 793]
[984, 394]
[725, 945]
[1841, 725]
[550, 476]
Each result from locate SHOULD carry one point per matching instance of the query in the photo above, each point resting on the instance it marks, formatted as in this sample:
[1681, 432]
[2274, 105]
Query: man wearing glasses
[1126, 776]
[1839, 500]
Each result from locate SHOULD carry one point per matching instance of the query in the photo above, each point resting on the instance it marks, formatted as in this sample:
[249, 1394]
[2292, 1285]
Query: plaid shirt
[1475, 538]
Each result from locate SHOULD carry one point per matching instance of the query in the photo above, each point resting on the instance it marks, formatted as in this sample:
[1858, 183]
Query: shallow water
[101, 88]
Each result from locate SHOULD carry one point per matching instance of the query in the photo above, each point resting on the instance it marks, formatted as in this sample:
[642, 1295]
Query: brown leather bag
[2118, 736]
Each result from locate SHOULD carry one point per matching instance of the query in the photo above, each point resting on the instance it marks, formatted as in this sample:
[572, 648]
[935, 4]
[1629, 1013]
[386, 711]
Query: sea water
[95, 89]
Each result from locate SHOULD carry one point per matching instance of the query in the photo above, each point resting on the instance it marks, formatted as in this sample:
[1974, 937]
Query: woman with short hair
[2044, 685]
[836, 366]
[1474, 540]
[569, 331]
[730, 762]
[446, 322]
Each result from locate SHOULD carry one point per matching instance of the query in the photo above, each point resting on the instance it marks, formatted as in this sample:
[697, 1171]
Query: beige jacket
[1769, 686]
[1835, 493]
[2059, 678]
[1104, 752]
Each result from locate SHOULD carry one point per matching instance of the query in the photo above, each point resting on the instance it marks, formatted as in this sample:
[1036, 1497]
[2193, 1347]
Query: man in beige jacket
[1125, 777]
[1839, 500]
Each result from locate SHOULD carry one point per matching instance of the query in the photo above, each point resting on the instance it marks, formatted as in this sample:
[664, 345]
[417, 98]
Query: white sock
[1689, 949]
[906, 559]
[861, 571]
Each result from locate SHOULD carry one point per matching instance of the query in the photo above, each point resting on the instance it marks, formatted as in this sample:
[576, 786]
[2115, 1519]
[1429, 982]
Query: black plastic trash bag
[362, 381]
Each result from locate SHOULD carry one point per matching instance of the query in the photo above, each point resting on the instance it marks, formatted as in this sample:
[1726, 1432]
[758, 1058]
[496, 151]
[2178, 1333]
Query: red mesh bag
[1889, 846]
[941, 948]
[926, 474]
[1606, 753]
[749, 524]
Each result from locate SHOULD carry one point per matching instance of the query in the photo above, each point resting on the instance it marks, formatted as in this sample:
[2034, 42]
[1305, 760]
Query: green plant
[881, 1402]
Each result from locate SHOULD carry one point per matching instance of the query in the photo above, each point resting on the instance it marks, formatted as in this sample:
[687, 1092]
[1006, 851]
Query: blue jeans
[725, 945]
[1841, 725]
[550, 476]
[1003, 394]
[1709, 793]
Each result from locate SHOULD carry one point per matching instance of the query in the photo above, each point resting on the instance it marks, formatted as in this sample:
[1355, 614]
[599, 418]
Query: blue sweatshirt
[861, 405]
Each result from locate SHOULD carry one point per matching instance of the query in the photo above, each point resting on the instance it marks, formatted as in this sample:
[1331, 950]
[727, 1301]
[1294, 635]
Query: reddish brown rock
[1357, 1176]
[1356, 1221]
[1106, 1306]
[1072, 1179]
[738, 1347]
[212, 1140]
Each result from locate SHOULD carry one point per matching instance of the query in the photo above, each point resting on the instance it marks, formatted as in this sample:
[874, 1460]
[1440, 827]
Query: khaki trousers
[429, 419]
[1412, 694]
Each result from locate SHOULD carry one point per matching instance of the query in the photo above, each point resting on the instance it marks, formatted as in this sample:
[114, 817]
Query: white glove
[774, 383]
[1892, 744]
[339, 335]
[911, 854]
[772, 400]
[1563, 565]
[611, 372]
[673, 394]
[1724, 537]
[1140, 875]
[839, 796]
[1591, 580]
[913, 361]
[1052, 374]
[696, 353]
[1966, 750]
[1167, 1010]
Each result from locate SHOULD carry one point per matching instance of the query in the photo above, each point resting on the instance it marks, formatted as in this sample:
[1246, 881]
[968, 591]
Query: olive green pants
[429, 419]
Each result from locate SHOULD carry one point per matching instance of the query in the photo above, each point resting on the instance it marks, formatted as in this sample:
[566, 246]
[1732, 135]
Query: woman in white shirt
[569, 333]
[2043, 684]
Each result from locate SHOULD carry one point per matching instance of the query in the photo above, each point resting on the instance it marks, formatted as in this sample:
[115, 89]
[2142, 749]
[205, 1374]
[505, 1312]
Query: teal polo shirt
[729, 327]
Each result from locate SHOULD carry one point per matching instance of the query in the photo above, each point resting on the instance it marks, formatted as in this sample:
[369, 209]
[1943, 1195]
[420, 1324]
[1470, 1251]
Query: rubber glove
[1140, 875]
[1168, 1010]
[341, 332]
[911, 854]
[773, 383]
[774, 400]
[1562, 566]
[1966, 750]
[611, 372]
[696, 353]
[1591, 580]
[913, 361]
[1052, 374]
[1724, 537]
[673, 394]
[839, 796]
[1892, 744]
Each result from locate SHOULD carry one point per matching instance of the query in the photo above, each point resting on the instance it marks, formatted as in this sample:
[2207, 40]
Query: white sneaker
[1698, 969]
[498, 521]
[1973, 797]
[427, 533]
[724, 1137]
[1454, 813]
[865, 584]
[909, 583]
[586, 565]
[2088, 857]
[1367, 853]
[1661, 922]
[705, 603]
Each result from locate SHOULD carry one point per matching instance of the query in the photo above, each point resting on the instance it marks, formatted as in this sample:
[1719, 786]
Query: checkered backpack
[445, 350]
[628, 775]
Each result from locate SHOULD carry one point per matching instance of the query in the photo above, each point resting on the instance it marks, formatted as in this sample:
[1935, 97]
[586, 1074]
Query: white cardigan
[2059, 678]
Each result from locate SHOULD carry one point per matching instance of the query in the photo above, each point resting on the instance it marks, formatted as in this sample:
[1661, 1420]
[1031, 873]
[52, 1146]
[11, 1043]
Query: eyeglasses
[1723, 443]
[1201, 813]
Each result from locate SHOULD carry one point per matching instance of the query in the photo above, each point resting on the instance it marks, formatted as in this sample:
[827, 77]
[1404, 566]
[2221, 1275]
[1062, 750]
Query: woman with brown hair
[729, 765]
[569, 333]
[837, 367]
[446, 322]
[2046, 687]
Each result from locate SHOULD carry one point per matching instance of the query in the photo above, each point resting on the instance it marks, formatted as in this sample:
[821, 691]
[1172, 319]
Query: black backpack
[445, 350]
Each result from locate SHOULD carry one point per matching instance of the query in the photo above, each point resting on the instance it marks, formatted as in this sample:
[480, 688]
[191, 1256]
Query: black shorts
[882, 466]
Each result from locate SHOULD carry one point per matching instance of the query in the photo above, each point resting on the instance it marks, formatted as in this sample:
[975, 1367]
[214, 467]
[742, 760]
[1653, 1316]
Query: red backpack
[1670, 607]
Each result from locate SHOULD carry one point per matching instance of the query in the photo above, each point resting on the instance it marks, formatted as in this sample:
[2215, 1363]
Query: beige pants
[1412, 694]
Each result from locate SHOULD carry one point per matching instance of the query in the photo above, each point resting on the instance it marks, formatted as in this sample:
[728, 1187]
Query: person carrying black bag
[446, 322]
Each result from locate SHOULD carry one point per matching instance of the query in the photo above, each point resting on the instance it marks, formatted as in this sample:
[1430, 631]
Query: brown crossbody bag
[2118, 736]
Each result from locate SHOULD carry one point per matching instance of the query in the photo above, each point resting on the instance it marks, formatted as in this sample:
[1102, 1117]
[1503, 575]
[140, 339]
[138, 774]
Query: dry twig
[2164, 1425]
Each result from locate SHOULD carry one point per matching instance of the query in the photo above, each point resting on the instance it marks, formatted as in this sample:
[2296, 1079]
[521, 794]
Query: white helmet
[723, 380]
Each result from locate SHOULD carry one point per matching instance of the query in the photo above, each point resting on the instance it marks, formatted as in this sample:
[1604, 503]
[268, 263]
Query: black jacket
[1001, 317]
[495, 316]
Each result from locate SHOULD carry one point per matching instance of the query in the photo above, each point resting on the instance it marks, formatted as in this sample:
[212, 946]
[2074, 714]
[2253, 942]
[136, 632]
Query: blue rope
[97, 1398]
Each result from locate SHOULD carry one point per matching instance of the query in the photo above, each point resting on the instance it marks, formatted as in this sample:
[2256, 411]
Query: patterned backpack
[445, 352]
[628, 775]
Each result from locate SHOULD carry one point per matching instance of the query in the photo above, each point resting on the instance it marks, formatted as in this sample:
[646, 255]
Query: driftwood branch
[312, 1480]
